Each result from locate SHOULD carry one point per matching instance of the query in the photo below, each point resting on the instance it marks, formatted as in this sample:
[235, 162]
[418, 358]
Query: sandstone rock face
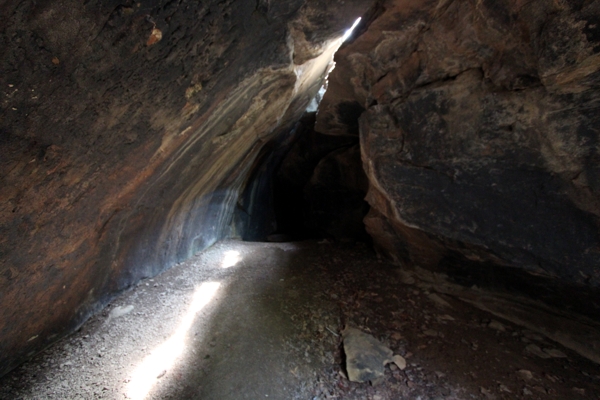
[479, 132]
[127, 130]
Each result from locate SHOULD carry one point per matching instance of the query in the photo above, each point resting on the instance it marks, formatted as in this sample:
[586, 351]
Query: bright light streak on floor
[349, 31]
[232, 257]
[163, 357]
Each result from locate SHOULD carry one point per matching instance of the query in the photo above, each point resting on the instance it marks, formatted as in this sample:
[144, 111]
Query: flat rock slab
[366, 357]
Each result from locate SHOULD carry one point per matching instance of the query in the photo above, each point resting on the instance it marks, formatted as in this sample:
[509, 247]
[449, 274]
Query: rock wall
[478, 125]
[127, 130]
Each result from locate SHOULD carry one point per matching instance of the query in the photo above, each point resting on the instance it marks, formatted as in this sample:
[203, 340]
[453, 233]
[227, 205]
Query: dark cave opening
[312, 186]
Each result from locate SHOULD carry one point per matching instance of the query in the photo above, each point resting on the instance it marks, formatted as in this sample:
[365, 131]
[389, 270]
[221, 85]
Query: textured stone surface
[366, 357]
[126, 132]
[479, 135]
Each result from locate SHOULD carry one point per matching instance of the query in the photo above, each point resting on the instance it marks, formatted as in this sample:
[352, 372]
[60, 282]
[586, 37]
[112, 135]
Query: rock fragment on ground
[366, 357]
[439, 301]
[535, 350]
[119, 312]
[399, 361]
[431, 333]
[525, 374]
[497, 326]
[555, 353]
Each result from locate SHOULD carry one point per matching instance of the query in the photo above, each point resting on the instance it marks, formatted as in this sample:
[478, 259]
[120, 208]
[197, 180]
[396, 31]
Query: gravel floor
[264, 320]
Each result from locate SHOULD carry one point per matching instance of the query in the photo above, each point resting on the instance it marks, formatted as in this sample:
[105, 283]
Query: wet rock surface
[477, 132]
[259, 320]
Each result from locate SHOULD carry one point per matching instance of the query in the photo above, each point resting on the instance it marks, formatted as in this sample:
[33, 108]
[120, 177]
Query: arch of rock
[134, 134]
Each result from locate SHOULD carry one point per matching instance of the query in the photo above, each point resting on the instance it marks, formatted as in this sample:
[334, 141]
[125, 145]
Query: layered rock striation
[478, 129]
[127, 131]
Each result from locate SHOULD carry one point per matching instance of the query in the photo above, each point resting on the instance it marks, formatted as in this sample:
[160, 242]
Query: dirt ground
[264, 320]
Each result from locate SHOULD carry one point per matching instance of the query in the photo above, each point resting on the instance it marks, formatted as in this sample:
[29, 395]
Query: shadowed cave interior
[300, 199]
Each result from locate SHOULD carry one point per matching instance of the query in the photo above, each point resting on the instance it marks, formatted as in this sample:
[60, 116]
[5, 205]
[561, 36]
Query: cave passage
[195, 204]
[246, 320]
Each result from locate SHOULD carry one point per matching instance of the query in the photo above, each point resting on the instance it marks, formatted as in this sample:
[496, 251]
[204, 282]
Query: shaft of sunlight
[164, 356]
[349, 31]
[232, 257]
[322, 64]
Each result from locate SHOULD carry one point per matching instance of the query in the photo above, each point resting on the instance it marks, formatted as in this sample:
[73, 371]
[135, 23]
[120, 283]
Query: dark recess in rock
[302, 182]
[348, 113]
[570, 298]
[308, 185]
[334, 196]
[254, 217]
